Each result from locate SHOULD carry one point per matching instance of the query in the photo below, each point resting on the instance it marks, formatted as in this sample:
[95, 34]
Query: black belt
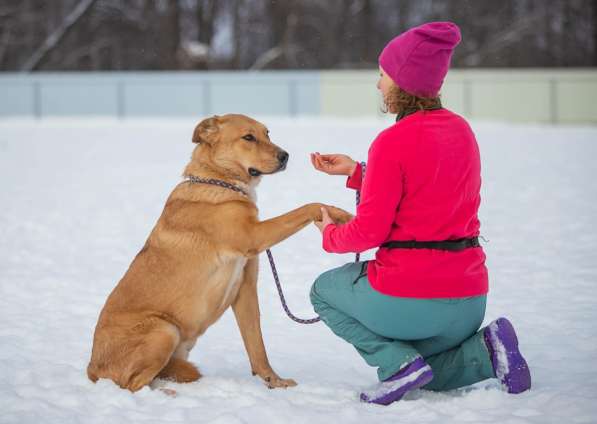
[451, 245]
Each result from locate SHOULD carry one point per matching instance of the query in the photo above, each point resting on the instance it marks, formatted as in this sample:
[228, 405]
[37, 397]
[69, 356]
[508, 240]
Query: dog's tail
[179, 370]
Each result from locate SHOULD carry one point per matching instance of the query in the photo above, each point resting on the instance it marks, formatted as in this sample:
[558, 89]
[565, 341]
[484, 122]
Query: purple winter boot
[412, 376]
[509, 365]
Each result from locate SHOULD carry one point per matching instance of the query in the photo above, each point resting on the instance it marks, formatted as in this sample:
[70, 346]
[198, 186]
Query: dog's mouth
[254, 172]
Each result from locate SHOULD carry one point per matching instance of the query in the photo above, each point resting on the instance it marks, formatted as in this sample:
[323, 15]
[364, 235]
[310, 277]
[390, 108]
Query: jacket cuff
[354, 181]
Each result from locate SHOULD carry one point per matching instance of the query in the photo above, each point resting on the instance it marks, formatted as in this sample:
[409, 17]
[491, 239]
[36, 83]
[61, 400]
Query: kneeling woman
[414, 311]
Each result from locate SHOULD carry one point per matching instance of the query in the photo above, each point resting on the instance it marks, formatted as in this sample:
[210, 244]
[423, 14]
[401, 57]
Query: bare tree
[55, 37]
[283, 17]
[283, 34]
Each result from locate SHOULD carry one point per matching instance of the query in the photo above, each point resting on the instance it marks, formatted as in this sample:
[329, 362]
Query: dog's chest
[230, 280]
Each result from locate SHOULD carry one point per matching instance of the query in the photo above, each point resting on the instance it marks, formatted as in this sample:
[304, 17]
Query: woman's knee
[333, 283]
[321, 287]
[315, 294]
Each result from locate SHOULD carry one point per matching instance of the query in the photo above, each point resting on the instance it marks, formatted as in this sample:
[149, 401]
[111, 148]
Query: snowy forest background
[284, 34]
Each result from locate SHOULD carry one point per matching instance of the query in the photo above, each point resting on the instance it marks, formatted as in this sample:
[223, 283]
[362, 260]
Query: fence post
[207, 96]
[292, 101]
[467, 97]
[120, 112]
[37, 99]
[553, 101]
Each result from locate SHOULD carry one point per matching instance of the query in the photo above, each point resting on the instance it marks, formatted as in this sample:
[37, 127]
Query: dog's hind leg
[180, 370]
[150, 356]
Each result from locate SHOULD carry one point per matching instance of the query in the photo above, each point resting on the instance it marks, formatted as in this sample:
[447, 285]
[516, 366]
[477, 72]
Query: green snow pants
[389, 332]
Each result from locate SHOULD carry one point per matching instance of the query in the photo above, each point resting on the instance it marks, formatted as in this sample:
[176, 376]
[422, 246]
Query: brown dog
[200, 258]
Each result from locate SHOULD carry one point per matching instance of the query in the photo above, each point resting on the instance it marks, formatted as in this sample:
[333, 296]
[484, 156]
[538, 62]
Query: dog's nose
[283, 157]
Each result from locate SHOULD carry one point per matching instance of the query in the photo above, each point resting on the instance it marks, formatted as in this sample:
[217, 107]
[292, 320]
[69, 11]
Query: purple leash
[277, 279]
[282, 299]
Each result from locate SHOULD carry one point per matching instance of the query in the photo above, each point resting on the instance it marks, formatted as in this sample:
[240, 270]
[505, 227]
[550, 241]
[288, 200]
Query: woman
[414, 310]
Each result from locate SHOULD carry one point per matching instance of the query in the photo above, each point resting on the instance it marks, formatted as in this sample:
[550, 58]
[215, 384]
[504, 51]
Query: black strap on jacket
[451, 245]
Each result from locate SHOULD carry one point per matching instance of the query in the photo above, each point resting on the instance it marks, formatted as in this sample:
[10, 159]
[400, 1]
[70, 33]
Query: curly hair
[398, 101]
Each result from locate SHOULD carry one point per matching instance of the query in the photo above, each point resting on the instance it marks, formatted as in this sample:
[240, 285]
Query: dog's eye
[249, 137]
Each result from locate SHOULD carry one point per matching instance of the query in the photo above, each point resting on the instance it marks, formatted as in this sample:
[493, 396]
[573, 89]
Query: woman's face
[385, 83]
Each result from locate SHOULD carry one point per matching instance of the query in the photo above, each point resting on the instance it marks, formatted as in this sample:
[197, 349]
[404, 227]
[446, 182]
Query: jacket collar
[407, 112]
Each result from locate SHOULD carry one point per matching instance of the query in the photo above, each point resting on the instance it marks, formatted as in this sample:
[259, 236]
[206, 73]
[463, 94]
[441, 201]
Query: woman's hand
[325, 220]
[333, 164]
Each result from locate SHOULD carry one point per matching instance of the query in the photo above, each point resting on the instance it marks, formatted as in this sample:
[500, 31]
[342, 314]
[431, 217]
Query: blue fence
[159, 94]
[521, 95]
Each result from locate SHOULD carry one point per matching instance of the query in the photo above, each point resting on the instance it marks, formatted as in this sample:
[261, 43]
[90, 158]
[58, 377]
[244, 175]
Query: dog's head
[240, 144]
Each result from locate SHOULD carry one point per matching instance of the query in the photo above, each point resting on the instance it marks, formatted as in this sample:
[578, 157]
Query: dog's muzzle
[282, 157]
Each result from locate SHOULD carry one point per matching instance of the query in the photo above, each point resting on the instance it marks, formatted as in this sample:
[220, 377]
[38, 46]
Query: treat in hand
[333, 164]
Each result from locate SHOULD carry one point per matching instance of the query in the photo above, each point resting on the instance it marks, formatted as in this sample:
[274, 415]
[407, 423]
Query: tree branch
[55, 37]
[505, 38]
[266, 58]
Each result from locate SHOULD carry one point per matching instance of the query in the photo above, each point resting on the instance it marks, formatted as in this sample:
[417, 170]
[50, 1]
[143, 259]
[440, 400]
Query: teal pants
[389, 332]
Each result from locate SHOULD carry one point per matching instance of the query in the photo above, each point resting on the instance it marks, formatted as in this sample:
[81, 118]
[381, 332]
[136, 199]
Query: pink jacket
[422, 183]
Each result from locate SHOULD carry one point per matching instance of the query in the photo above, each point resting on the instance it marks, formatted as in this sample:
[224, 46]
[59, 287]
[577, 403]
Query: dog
[200, 258]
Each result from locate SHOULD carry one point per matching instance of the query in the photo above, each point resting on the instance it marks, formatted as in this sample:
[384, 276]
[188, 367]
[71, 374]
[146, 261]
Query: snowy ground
[78, 199]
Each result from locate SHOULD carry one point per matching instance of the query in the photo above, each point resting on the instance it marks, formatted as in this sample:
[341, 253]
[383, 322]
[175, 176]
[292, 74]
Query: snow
[79, 197]
[502, 369]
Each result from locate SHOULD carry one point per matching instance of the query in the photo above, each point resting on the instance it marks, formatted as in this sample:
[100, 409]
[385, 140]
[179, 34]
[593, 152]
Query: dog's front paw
[273, 382]
[339, 216]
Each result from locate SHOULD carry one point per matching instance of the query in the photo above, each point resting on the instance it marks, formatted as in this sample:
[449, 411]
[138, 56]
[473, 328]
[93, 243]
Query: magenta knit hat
[417, 60]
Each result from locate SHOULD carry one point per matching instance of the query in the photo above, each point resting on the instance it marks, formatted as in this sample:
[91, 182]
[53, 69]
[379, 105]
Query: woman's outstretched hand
[325, 220]
[333, 164]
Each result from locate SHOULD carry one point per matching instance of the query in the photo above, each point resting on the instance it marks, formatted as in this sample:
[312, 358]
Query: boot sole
[515, 376]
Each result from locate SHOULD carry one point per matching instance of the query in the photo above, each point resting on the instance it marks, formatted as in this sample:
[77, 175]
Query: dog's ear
[206, 131]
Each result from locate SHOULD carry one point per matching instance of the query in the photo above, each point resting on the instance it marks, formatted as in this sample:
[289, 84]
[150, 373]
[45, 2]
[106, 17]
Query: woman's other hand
[333, 164]
[325, 220]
